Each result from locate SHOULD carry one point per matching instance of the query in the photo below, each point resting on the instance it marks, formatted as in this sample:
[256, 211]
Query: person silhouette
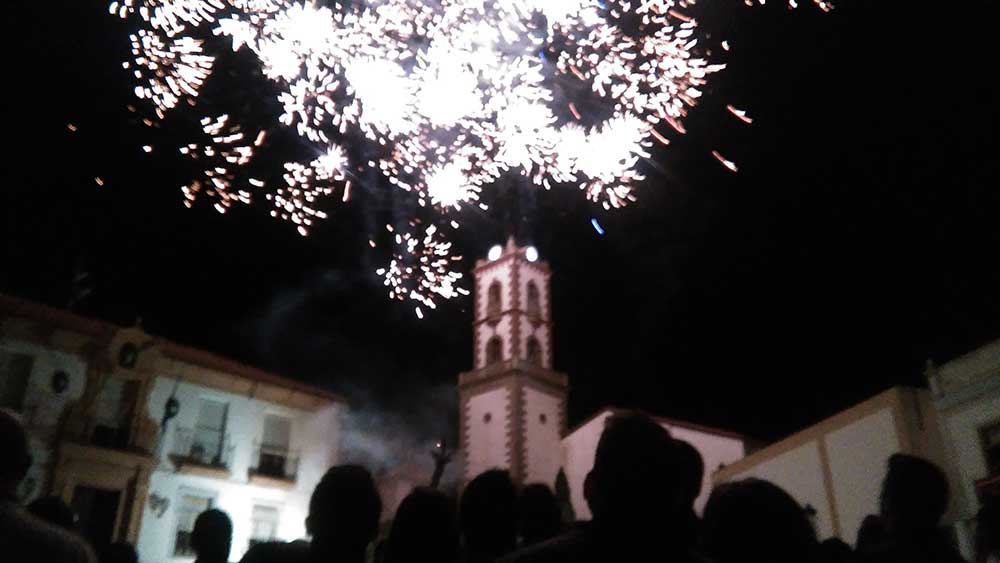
[914, 499]
[634, 492]
[212, 536]
[488, 516]
[755, 521]
[25, 538]
[692, 472]
[988, 531]
[344, 512]
[539, 514]
[55, 511]
[836, 550]
[425, 529]
[871, 533]
[119, 552]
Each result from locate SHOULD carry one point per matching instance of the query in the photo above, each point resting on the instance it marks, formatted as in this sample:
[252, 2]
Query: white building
[140, 434]
[967, 396]
[513, 405]
[836, 467]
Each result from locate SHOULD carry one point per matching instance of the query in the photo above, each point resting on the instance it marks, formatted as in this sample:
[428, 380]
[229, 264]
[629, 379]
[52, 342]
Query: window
[263, 524]
[493, 302]
[990, 436]
[189, 506]
[209, 432]
[273, 458]
[110, 415]
[534, 302]
[15, 370]
[494, 350]
[534, 351]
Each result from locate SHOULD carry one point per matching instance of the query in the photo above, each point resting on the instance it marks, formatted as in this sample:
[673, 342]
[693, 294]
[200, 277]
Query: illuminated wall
[44, 403]
[486, 419]
[837, 466]
[967, 396]
[542, 425]
[314, 441]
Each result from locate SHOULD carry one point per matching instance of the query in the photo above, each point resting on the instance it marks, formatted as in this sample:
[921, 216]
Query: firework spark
[422, 268]
[224, 152]
[449, 96]
[730, 165]
[168, 69]
[740, 114]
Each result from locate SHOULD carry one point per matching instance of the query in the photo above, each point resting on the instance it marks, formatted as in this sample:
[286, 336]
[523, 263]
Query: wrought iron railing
[275, 461]
[191, 446]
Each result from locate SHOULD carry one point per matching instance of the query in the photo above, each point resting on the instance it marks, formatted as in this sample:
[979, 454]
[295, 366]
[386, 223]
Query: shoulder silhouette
[24, 537]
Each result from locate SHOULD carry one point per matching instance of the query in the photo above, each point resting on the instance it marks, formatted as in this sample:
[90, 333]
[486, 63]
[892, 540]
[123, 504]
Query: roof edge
[16, 306]
[614, 409]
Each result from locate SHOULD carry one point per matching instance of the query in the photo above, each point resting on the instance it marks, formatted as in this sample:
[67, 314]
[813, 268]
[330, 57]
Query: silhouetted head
[212, 536]
[488, 515]
[15, 454]
[755, 521]
[634, 481]
[914, 495]
[425, 529]
[55, 511]
[119, 552]
[692, 471]
[836, 550]
[344, 510]
[539, 513]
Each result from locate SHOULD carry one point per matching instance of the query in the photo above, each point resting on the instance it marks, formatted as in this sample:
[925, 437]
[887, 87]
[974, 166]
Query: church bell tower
[512, 404]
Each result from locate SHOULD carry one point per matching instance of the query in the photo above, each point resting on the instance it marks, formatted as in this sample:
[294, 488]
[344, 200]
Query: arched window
[534, 305]
[494, 350]
[493, 302]
[534, 351]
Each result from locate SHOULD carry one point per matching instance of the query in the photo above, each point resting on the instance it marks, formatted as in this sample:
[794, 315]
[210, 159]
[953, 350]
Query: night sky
[859, 238]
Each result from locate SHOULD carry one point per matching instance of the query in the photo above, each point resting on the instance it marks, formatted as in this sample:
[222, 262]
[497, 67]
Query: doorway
[98, 512]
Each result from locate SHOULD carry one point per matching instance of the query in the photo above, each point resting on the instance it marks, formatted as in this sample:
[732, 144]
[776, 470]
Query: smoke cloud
[401, 403]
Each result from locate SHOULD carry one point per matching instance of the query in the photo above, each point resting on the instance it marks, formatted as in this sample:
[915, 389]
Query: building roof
[14, 306]
[662, 420]
[896, 399]
[976, 366]
[65, 319]
[220, 363]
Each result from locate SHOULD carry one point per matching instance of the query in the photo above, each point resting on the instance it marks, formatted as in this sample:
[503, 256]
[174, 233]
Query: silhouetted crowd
[640, 491]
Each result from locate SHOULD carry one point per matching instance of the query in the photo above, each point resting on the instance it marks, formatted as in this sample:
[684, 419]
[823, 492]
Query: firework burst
[448, 95]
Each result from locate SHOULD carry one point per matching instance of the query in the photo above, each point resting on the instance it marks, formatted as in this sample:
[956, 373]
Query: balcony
[201, 452]
[274, 466]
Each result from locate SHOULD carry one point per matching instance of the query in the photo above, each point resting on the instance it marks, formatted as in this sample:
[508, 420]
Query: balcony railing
[275, 462]
[193, 447]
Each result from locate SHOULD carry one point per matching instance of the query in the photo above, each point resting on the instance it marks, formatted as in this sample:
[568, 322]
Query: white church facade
[140, 434]
[512, 405]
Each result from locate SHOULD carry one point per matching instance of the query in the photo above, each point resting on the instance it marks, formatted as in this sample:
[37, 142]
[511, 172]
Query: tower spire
[512, 402]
